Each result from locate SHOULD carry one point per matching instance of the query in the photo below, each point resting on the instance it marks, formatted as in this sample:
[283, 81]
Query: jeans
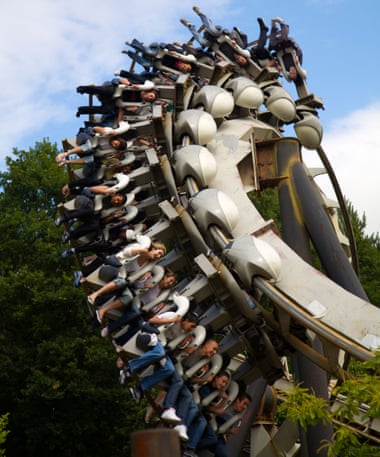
[148, 358]
[192, 412]
[162, 373]
[176, 383]
[128, 317]
[186, 408]
[196, 431]
[210, 440]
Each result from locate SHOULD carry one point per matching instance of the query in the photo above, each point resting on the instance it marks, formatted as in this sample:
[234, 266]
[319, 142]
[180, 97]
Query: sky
[49, 47]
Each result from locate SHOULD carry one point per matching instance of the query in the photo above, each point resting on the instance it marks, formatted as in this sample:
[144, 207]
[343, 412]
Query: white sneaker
[98, 316]
[169, 415]
[104, 332]
[130, 235]
[182, 432]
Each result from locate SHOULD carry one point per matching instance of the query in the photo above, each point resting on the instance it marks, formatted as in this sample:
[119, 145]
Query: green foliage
[359, 397]
[59, 383]
[304, 407]
[267, 204]
[345, 443]
[368, 247]
[301, 405]
[31, 191]
[3, 433]
[58, 378]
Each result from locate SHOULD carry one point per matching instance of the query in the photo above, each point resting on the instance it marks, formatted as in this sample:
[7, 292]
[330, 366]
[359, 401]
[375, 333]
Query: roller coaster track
[252, 284]
[291, 295]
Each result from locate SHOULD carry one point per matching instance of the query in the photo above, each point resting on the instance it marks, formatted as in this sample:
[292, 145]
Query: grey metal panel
[364, 317]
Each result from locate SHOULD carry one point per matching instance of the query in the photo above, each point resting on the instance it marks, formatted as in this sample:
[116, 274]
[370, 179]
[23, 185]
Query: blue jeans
[126, 336]
[130, 315]
[186, 408]
[148, 358]
[196, 430]
[175, 385]
[162, 373]
[210, 440]
[192, 411]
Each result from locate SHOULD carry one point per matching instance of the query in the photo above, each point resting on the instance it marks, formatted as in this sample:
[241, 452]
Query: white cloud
[353, 148]
[47, 48]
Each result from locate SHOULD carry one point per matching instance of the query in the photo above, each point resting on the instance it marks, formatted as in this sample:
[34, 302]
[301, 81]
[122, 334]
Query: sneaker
[262, 25]
[59, 221]
[130, 235]
[169, 415]
[78, 275]
[124, 375]
[117, 73]
[104, 332]
[67, 253]
[98, 318]
[65, 237]
[127, 373]
[182, 432]
[189, 453]
[72, 221]
[136, 393]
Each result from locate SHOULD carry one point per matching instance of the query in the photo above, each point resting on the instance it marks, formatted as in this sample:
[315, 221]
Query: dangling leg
[213, 30]
[259, 51]
[139, 59]
[105, 90]
[95, 109]
[139, 46]
[197, 35]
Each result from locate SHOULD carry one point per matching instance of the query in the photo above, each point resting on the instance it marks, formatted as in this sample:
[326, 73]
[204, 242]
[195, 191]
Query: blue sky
[48, 47]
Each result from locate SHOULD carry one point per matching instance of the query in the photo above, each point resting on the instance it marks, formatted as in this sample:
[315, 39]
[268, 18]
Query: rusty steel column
[157, 442]
[293, 231]
[295, 196]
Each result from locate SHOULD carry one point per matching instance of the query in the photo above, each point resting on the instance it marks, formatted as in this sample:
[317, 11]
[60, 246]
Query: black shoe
[261, 22]
[59, 221]
[189, 453]
[149, 328]
[136, 394]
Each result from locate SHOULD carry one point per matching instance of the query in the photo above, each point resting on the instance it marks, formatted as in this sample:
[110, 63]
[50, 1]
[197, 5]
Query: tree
[306, 409]
[368, 247]
[58, 378]
[59, 384]
[3, 433]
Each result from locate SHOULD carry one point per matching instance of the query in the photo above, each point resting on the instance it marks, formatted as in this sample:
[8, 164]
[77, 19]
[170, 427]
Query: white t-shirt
[174, 329]
[122, 128]
[125, 254]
